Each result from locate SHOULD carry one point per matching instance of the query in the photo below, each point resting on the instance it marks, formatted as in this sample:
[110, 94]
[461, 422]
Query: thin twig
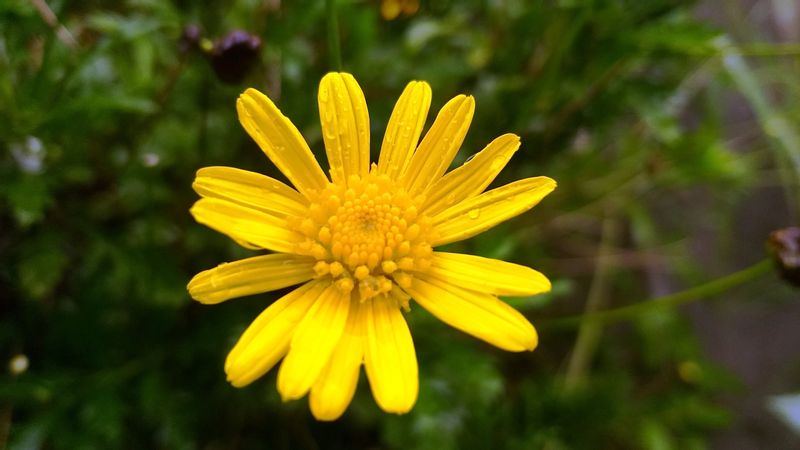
[706, 290]
[51, 19]
[590, 332]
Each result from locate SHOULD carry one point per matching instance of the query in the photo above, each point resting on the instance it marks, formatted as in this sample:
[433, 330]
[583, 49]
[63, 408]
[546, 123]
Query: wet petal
[472, 177]
[478, 214]
[479, 314]
[334, 389]
[389, 358]
[440, 145]
[345, 125]
[249, 189]
[250, 276]
[245, 224]
[313, 342]
[267, 339]
[404, 128]
[487, 275]
[280, 141]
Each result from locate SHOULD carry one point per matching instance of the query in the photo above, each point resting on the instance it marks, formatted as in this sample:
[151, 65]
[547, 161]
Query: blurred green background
[672, 127]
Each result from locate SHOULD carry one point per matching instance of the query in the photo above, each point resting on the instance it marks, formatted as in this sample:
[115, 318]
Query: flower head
[360, 244]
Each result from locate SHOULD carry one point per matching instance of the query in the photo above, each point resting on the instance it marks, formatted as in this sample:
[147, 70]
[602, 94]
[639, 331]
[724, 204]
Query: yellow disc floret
[367, 235]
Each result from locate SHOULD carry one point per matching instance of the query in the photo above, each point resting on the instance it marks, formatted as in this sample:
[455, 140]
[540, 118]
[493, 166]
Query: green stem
[706, 290]
[590, 331]
[776, 124]
[334, 47]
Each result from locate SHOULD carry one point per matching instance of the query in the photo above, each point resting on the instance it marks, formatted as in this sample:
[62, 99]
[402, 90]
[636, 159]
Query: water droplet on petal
[474, 213]
[498, 162]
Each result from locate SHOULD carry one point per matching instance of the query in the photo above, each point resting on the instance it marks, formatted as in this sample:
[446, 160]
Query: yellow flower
[361, 245]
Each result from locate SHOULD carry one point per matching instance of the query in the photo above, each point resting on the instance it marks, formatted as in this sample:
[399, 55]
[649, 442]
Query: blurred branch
[774, 122]
[557, 124]
[620, 258]
[760, 49]
[701, 292]
[51, 19]
[590, 331]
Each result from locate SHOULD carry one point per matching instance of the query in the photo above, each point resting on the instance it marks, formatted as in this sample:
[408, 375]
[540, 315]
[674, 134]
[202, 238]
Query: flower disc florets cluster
[367, 235]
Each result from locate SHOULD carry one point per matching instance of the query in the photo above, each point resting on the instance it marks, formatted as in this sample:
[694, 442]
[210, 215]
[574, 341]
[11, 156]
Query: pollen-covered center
[367, 235]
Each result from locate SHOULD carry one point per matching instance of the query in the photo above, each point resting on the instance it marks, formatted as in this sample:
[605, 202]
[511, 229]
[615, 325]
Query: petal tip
[194, 287]
[237, 381]
[423, 85]
[548, 285]
[325, 412]
[533, 340]
[328, 77]
[325, 416]
[250, 92]
[398, 408]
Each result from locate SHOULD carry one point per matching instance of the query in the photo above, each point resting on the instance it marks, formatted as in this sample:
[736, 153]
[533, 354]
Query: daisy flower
[360, 245]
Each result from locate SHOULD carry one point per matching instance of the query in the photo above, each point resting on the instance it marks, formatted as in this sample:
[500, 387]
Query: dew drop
[498, 162]
[474, 213]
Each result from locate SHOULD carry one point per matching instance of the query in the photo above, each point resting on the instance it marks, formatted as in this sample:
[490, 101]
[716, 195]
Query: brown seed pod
[784, 245]
[234, 55]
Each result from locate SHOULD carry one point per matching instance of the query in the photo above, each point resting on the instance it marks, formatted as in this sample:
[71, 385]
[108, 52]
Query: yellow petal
[404, 128]
[389, 357]
[472, 177]
[313, 342]
[280, 141]
[487, 275]
[250, 276]
[246, 224]
[267, 339]
[345, 125]
[250, 189]
[478, 214]
[334, 389]
[481, 315]
[247, 245]
[440, 144]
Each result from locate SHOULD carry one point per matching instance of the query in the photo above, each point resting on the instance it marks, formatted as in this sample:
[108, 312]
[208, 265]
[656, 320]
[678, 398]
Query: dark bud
[784, 244]
[190, 39]
[234, 56]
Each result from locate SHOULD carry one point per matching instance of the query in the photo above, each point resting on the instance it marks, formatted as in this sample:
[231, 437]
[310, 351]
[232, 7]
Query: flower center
[367, 235]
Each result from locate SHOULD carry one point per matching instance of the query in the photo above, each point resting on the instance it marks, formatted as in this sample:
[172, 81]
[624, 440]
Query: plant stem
[777, 125]
[703, 291]
[334, 47]
[590, 331]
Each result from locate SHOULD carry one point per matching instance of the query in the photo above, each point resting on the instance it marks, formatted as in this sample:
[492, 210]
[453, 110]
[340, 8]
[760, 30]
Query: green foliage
[102, 137]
